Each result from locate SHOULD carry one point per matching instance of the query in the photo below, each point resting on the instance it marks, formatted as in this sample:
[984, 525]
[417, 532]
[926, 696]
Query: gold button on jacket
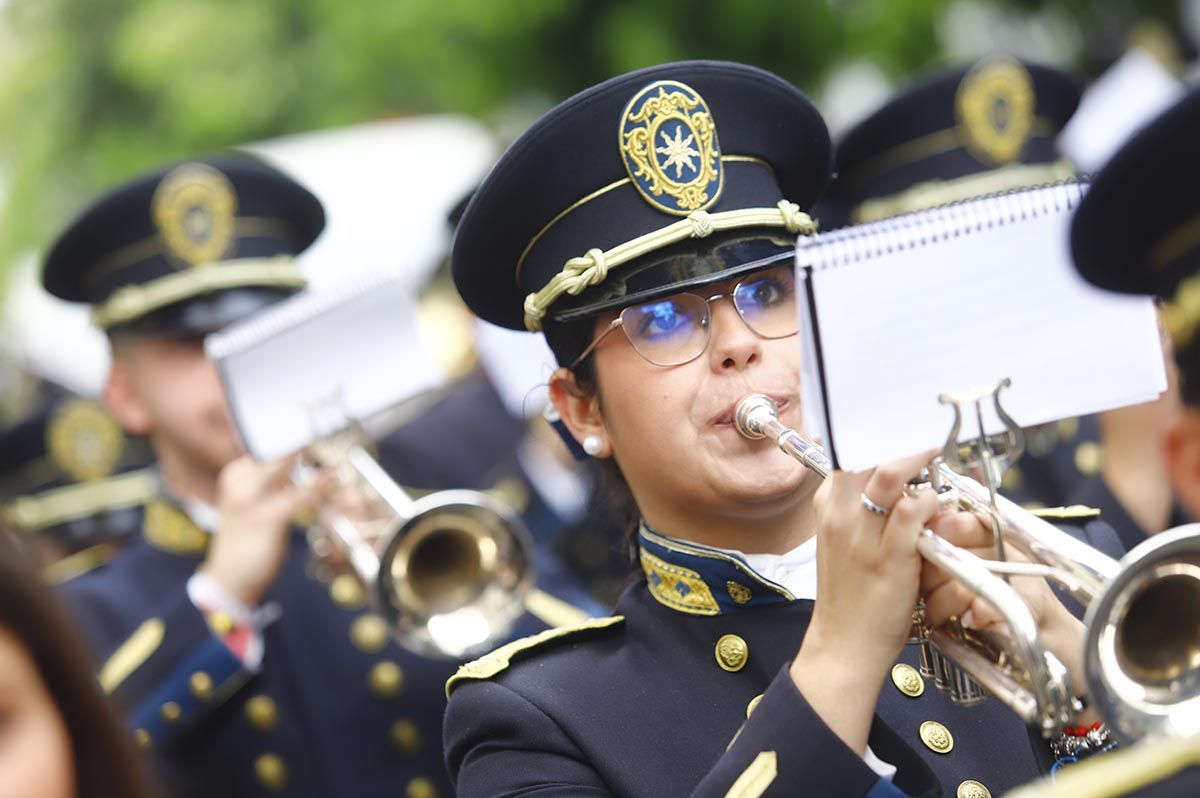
[937, 738]
[732, 653]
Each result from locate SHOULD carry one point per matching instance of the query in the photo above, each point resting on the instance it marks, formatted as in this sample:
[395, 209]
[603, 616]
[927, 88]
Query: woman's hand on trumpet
[1060, 632]
[868, 573]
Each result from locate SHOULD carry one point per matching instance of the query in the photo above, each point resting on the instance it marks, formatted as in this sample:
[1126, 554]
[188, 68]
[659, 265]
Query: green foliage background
[92, 91]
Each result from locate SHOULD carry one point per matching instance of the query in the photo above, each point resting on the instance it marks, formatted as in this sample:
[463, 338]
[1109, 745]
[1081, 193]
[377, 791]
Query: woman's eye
[662, 319]
[767, 292]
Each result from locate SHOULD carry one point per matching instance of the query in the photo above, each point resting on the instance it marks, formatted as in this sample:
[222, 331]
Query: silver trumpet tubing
[450, 571]
[1142, 656]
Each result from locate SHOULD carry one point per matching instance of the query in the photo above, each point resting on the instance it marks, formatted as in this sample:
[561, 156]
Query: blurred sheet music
[316, 363]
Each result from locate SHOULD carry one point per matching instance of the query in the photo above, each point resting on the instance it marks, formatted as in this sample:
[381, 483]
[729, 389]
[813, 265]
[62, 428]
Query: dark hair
[613, 493]
[106, 763]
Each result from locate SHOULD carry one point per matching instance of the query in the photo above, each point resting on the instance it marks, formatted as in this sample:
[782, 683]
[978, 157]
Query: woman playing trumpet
[646, 227]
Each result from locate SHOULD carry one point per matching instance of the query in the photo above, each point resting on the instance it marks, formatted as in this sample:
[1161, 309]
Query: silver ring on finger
[872, 506]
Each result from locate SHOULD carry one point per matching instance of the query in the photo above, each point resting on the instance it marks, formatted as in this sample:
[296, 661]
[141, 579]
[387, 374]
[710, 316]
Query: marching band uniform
[675, 682]
[307, 694]
[685, 690]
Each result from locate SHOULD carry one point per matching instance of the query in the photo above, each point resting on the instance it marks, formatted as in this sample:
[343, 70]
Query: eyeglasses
[676, 329]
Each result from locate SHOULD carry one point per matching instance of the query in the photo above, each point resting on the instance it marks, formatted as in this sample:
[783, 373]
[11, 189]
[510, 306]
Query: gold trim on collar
[59, 505]
[133, 301]
[601, 192]
[677, 587]
[697, 550]
[498, 661]
[132, 653]
[168, 528]
[932, 193]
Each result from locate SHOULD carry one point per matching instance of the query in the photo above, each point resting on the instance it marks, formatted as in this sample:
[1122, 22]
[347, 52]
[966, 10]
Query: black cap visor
[201, 315]
[688, 264]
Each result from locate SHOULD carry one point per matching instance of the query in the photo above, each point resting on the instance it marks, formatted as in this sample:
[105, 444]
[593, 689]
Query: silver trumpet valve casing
[1142, 657]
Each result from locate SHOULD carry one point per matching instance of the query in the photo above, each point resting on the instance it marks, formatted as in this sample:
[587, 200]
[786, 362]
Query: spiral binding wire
[852, 244]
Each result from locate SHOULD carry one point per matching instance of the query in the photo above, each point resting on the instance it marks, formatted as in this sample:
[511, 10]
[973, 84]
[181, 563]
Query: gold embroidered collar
[700, 580]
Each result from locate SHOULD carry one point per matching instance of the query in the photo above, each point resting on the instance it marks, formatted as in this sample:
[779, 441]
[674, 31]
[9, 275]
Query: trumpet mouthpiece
[752, 411]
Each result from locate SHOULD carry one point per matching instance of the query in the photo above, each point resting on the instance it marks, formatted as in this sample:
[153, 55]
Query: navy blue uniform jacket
[646, 705]
[337, 710]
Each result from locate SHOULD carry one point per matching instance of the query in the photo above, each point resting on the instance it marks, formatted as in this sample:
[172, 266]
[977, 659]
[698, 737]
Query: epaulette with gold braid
[1076, 512]
[498, 661]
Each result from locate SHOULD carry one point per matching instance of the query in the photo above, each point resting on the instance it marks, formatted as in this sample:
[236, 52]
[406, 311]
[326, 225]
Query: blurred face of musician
[1181, 447]
[35, 748]
[671, 429]
[168, 390]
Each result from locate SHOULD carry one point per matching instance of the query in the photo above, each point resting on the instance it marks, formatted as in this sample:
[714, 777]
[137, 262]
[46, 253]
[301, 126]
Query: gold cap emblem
[669, 144]
[908, 680]
[84, 441]
[937, 738]
[194, 208]
[994, 106]
[732, 653]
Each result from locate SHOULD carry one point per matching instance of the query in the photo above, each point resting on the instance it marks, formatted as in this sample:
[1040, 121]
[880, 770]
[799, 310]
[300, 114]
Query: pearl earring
[593, 445]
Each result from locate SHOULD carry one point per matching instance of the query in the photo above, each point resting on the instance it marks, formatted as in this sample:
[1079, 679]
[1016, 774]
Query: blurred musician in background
[74, 482]
[242, 673]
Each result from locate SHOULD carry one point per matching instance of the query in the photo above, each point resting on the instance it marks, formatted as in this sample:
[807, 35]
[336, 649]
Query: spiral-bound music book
[318, 362]
[954, 300]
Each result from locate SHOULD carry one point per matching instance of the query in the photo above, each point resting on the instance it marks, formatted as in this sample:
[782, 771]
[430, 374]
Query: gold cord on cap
[591, 269]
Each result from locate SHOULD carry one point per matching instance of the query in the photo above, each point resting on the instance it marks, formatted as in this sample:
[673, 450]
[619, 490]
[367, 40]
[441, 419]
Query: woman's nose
[734, 345]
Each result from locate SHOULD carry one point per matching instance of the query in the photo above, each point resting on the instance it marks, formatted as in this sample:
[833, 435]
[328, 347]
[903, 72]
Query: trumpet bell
[454, 576]
[1143, 640]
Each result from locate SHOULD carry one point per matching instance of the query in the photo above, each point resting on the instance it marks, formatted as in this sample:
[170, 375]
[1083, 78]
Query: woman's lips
[725, 417]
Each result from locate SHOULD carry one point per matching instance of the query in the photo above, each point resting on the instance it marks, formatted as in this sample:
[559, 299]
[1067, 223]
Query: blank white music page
[958, 314]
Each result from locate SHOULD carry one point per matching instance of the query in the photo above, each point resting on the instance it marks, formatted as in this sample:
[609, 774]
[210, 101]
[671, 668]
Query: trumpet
[450, 572]
[1142, 656]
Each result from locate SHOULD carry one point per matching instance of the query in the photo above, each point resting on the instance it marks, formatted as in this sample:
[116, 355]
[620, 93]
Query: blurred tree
[92, 91]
